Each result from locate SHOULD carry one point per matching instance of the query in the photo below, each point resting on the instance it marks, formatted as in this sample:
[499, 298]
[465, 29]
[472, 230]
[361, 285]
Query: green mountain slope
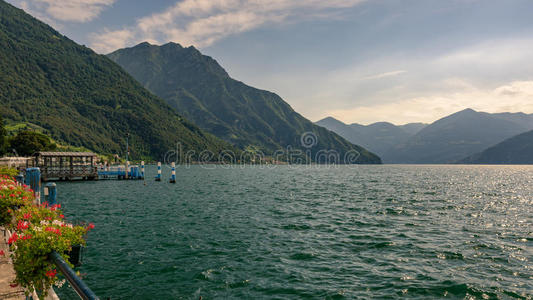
[515, 150]
[81, 98]
[200, 89]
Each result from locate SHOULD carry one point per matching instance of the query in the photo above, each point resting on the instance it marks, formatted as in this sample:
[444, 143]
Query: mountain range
[82, 98]
[377, 137]
[196, 86]
[447, 140]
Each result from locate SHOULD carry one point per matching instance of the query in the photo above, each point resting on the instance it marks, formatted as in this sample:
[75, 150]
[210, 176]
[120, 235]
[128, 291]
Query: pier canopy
[66, 165]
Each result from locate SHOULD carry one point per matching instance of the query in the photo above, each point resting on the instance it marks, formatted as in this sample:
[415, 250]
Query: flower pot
[75, 255]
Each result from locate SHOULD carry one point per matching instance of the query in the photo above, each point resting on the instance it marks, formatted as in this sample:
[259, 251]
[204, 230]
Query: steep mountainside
[515, 150]
[377, 137]
[457, 136]
[82, 98]
[200, 89]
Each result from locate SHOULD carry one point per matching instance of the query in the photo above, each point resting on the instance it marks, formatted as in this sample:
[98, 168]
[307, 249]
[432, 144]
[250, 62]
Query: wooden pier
[65, 165]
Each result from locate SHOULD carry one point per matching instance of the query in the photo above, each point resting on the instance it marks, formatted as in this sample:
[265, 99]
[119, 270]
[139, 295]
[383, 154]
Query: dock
[119, 172]
[65, 165]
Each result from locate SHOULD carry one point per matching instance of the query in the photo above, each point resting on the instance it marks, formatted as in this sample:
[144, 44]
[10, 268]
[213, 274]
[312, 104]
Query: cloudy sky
[357, 60]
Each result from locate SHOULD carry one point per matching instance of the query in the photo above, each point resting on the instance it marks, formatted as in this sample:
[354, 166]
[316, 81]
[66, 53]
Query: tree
[3, 137]
[28, 142]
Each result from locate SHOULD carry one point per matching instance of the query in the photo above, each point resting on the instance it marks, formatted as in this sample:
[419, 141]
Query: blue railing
[77, 284]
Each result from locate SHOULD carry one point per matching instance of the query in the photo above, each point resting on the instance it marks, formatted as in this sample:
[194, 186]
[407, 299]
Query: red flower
[62, 216]
[13, 285]
[2, 253]
[51, 273]
[13, 238]
[22, 225]
[26, 237]
[27, 216]
[54, 230]
[91, 226]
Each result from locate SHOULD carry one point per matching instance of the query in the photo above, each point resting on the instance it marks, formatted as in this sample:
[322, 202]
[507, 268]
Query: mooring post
[50, 193]
[158, 177]
[142, 169]
[127, 168]
[33, 179]
[173, 175]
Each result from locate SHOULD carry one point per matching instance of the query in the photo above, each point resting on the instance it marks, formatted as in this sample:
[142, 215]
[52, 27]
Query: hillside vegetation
[82, 98]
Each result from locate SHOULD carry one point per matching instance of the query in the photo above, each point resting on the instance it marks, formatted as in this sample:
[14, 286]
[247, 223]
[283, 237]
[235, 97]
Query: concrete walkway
[7, 274]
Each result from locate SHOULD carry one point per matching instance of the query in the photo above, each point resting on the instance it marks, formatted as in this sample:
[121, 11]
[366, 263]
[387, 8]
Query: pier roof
[65, 154]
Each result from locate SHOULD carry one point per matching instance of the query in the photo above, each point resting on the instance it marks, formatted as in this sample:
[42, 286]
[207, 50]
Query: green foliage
[81, 98]
[8, 171]
[37, 231]
[199, 88]
[28, 142]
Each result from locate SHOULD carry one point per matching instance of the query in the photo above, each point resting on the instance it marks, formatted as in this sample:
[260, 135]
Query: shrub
[37, 231]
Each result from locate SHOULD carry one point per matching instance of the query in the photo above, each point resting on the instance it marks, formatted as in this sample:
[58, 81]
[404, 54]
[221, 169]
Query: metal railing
[77, 284]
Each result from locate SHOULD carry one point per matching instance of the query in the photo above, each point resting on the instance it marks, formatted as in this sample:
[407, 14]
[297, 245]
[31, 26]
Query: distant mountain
[82, 98]
[200, 89]
[457, 136]
[521, 119]
[515, 150]
[413, 128]
[378, 137]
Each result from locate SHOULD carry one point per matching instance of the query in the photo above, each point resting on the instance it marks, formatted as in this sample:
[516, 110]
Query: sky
[360, 61]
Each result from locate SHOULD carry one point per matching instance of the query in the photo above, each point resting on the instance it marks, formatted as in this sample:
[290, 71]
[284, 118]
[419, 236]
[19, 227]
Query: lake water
[345, 232]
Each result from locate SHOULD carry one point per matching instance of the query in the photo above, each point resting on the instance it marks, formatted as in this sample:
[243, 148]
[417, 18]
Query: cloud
[66, 10]
[515, 96]
[204, 22]
[383, 75]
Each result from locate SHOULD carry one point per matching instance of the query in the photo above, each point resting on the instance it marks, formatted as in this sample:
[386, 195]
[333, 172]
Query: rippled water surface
[345, 232]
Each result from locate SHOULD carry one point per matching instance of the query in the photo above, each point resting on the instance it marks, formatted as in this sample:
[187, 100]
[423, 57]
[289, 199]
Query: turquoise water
[416, 232]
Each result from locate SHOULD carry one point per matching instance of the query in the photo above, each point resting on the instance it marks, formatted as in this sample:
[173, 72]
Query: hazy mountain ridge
[200, 89]
[378, 137]
[447, 140]
[82, 98]
[515, 150]
[456, 136]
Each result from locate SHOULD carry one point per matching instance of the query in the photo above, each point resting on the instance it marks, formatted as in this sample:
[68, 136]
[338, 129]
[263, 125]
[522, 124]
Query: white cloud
[65, 10]
[204, 22]
[113, 39]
